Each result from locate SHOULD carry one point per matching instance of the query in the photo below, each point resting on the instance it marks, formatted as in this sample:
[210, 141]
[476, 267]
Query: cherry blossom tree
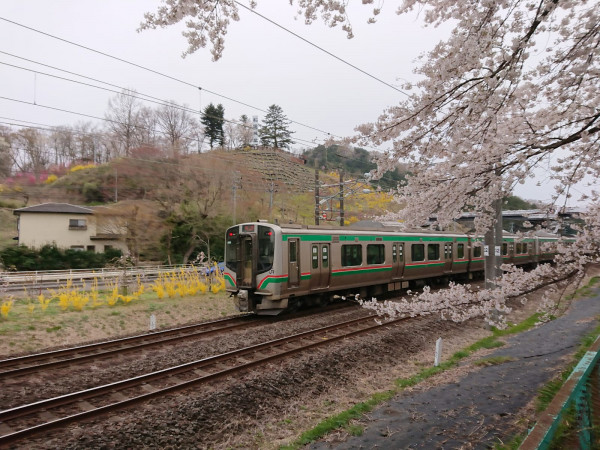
[515, 85]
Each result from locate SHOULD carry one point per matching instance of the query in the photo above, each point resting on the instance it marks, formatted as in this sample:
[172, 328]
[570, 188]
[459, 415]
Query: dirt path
[475, 407]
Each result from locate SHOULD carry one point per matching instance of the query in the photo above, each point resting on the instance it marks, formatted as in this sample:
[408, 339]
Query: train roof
[309, 229]
[372, 227]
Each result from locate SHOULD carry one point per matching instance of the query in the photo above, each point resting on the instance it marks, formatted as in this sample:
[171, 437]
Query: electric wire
[320, 48]
[156, 72]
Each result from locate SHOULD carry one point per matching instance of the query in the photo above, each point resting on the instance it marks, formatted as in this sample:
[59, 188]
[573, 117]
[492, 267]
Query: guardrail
[580, 390]
[38, 277]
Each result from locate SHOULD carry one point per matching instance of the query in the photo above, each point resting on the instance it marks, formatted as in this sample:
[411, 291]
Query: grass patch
[341, 420]
[51, 329]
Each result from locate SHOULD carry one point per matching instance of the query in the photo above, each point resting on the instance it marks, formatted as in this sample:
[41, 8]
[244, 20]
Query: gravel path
[475, 408]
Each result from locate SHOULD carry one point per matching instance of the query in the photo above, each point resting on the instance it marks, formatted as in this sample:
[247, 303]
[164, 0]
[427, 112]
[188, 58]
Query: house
[69, 226]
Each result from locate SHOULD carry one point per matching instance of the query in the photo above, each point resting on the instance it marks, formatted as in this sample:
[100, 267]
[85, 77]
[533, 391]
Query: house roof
[56, 208]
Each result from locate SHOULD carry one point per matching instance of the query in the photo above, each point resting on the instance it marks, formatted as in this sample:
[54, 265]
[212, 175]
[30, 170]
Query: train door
[293, 262]
[247, 279]
[320, 270]
[397, 259]
[448, 256]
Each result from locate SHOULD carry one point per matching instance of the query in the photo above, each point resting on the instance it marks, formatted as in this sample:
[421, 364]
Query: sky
[262, 65]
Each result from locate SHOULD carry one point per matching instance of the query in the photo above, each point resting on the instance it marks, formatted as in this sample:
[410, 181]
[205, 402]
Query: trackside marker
[438, 352]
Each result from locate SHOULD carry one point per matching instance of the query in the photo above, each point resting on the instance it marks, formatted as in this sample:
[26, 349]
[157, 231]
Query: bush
[51, 258]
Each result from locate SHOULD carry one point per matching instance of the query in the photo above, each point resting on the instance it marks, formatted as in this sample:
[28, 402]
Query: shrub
[51, 258]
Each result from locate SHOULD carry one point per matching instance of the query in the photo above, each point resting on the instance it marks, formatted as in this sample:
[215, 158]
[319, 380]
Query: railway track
[31, 419]
[38, 362]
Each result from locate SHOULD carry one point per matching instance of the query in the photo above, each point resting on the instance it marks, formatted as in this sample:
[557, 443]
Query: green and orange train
[272, 268]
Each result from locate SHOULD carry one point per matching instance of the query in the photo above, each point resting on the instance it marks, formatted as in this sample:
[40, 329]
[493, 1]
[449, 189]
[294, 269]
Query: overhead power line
[321, 48]
[156, 72]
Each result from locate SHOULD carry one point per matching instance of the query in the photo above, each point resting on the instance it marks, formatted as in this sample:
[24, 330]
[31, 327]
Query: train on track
[273, 268]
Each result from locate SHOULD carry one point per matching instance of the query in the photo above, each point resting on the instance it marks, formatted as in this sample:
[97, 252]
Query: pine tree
[212, 120]
[275, 132]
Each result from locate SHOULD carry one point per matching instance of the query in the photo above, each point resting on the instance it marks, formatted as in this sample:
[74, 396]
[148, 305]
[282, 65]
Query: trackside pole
[438, 352]
[152, 322]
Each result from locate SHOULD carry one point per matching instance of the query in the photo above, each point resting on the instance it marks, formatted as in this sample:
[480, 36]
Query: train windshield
[233, 253]
[239, 254]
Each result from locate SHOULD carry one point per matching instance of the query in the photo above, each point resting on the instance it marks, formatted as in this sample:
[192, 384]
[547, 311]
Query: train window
[351, 255]
[293, 251]
[266, 248]
[375, 254]
[519, 246]
[448, 250]
[394, 253]
[460, 251]
[477, 251]
[325, 257]
[401, 252]
[524, 247]
[505, 248]
[315, 256]
[433, 252]
[417, 252]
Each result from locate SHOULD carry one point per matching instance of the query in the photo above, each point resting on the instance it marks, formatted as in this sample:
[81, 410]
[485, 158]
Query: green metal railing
[581, 392]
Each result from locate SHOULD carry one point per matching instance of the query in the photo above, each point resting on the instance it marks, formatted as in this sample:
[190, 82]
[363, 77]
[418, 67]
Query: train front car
[251, 257]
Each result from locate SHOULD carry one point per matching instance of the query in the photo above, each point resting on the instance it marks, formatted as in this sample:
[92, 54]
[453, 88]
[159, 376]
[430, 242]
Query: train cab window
[505, 248]
[417, 252]
[460, 251]
[325, 257]
[233, 250]
[477, 251]
[375, 254]
[351, 255]
[433, 252]
[315, 256]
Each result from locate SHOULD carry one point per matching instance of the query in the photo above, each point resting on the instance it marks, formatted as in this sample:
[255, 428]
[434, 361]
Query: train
[271, 268]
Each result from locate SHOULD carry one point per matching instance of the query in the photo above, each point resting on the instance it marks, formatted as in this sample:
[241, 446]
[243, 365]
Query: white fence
[53, 276]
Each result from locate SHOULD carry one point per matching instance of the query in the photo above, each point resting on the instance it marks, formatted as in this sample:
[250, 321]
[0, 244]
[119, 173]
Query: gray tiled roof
[56, 208]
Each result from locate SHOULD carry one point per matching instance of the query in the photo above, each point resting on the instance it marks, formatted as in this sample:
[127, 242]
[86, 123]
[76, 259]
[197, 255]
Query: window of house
[417, 252]
[77, 224]
[91, 248]
[351, 255]
[375, 254]
[79, 248]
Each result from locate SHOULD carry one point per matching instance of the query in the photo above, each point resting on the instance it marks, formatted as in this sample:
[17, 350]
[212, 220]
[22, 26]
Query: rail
[581, 392]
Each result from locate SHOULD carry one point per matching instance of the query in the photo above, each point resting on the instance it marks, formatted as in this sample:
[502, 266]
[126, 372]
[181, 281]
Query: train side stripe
[373, 238]
[230, 279]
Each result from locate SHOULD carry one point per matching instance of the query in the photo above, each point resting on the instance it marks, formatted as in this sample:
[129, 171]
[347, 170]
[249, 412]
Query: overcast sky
[262, 65]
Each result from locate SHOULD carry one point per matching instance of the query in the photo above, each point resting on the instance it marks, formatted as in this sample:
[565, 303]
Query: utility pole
[234, 189]
[317, 199]
[341, 198]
